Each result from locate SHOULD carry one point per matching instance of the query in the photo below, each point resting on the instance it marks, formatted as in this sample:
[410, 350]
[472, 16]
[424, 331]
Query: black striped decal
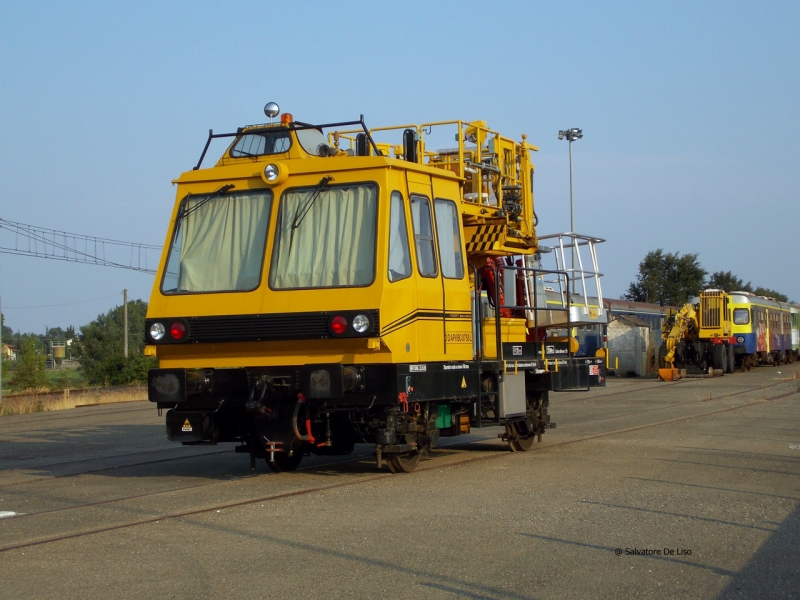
[424, 314]
[485, 237]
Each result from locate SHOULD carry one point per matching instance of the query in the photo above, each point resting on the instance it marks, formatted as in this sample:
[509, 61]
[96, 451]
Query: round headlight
[271, 172]
[360, 323]
[157, 331]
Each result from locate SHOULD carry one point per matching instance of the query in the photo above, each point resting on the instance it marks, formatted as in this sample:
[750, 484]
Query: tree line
[669, 279]
[98, 347]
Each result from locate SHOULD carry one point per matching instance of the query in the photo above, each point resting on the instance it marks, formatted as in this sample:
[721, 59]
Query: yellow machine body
[327, 286]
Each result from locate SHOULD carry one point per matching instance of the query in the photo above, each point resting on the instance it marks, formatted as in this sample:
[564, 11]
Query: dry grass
[43, 400]
[793, 376]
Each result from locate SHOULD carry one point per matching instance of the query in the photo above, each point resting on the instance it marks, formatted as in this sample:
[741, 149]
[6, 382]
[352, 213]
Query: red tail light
[177, 331]
[339, 324]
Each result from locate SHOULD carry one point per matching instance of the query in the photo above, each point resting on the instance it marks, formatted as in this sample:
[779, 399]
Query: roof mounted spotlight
[571, 134]
[272, 110]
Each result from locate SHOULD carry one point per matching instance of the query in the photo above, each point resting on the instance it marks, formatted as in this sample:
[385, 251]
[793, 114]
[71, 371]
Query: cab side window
[741, 316]
[423, 236]
[449, 238]
[399, 254]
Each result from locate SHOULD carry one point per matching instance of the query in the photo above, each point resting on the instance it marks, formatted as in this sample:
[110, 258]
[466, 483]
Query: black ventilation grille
[270, 327]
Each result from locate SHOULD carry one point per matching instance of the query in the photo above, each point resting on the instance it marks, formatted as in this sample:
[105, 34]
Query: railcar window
[259, 144]
[423, 236]
[449, 239]
[325, 237]
[399, 253]
[741, 316]
[218, 244]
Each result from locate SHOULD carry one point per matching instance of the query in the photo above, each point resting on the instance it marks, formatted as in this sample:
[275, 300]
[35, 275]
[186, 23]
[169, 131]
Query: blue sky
[689, 112]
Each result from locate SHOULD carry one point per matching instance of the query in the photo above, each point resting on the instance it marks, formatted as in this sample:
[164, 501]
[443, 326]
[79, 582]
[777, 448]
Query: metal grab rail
[574, 243]
[533, 308]
[478, 340]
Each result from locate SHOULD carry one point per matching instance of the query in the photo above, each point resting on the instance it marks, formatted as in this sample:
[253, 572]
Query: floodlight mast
[571, 135]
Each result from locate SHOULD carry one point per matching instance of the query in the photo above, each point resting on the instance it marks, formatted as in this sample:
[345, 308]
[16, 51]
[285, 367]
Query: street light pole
[571, 135]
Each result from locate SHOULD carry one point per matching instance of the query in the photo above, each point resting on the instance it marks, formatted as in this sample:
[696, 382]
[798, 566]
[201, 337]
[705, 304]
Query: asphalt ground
[688, 489]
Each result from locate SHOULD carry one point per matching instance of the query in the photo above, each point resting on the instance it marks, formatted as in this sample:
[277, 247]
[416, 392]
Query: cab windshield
[261, 143]
[218, 244]
[325, 237]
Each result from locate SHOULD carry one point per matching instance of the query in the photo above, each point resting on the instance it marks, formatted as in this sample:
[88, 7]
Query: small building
[10, 352]
[628, 346]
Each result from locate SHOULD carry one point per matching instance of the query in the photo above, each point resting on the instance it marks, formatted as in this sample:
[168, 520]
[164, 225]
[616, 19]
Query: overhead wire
[63, 304]
[54, 244]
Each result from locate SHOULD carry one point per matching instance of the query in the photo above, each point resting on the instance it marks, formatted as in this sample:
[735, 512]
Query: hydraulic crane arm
[684, 326]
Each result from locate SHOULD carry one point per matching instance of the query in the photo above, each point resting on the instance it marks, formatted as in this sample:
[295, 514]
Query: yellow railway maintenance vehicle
[700, 336]
[319, 289]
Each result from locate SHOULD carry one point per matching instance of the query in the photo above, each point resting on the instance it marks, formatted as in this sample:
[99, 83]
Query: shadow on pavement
[774, 571]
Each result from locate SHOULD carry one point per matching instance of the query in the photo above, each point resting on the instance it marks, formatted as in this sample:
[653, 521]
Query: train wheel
[517, 443]
[404, 464]
[284, 462]
[521, 444]
[731, 360]
[718, 358]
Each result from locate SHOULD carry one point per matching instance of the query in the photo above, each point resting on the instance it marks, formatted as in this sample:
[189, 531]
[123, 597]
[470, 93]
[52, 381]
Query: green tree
[6, 331]
[61, 381]
[100, 343]
[762, 291]
[667, 278]
[56, 333]
[30, 368]
[728, 282]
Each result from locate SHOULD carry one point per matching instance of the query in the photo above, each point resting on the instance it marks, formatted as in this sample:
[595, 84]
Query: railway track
[428, 465]
[99, 469]
[226, 451]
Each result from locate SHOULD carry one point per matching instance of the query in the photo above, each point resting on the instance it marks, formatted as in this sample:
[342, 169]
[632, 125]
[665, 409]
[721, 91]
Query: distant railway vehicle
[653, 315]
[764, 331]
[593, 337]
[319, 288]
[721, 331]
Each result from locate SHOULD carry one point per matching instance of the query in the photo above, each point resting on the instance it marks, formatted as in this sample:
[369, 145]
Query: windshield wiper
[241, 153]
[185, 211]
[301, 213]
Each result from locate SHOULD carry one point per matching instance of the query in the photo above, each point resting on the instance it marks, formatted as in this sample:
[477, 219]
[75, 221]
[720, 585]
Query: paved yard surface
[644, 490]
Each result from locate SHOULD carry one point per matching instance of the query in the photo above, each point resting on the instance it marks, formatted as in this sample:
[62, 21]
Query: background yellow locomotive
[320, 289]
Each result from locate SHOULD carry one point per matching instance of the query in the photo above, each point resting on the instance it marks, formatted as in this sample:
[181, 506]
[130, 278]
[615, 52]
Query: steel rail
[110, 468]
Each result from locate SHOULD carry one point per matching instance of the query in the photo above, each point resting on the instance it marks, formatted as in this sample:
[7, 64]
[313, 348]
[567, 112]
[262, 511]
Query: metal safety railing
[588, 276]
[529, 309]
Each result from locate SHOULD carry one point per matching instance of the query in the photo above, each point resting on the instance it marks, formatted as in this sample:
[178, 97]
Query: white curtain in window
[399, 255]
[330, 245]
[222, 243]
[423, 235]
[449, 239]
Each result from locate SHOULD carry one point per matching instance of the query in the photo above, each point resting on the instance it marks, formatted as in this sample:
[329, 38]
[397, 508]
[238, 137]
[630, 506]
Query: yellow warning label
[186, 426]
[463, 382]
